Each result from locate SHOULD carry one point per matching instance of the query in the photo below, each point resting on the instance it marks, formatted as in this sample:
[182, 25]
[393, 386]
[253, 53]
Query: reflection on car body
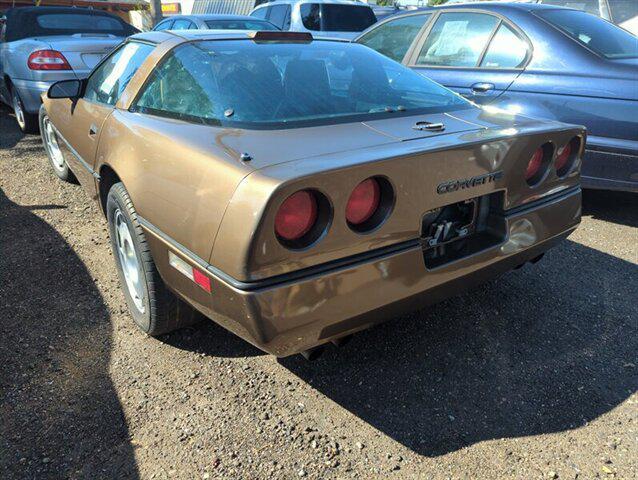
[276, 183]
[536, 60]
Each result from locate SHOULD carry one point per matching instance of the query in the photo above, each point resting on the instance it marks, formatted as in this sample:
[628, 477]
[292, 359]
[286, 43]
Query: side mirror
[65, 89]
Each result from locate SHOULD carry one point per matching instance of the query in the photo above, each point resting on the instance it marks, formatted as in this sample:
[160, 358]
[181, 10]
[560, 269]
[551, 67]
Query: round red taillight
[562, 157]
[296, 216]
[363, 202]
[534, 165]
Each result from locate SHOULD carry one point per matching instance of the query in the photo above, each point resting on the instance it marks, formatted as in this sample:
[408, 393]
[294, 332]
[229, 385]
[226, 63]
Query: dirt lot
[534, 375]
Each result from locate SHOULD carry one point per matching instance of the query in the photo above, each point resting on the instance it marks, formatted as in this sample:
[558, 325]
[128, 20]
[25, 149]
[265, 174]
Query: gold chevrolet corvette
[297, 190]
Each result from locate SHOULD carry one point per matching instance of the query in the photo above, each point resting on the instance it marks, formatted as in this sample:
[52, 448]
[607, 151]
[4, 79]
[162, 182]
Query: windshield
[330, 17]
[241, 83]
[239, 25]
[598, 35]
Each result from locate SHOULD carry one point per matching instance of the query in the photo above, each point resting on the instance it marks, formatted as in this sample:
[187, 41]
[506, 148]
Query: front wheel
[154, 308]
[51, 146]
[28, 122]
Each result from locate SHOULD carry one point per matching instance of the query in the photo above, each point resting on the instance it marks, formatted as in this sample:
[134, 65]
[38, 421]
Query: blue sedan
[537, 60]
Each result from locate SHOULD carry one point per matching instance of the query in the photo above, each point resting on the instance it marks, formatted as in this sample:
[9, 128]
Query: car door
[476, 54]
[394, 37]
[79, 121]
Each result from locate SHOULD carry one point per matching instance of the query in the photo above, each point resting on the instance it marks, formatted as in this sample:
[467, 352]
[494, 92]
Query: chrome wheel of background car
[18, 110]
[128, 260]
[51, 142]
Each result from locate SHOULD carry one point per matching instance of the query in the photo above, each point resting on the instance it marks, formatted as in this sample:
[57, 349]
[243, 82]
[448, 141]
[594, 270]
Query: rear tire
[28, 122]
[54, 154]
[154, 308]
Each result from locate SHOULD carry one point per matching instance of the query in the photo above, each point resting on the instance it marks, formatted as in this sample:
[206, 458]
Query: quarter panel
[603, 117]
[177, 178]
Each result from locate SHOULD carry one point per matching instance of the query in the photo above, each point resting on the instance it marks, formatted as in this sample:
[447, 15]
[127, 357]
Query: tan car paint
[198, 199]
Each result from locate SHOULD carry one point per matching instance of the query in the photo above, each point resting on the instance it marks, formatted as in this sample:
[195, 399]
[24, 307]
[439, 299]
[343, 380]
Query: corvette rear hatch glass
[244, 84]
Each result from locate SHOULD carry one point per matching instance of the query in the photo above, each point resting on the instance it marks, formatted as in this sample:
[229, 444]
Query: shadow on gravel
[210, 339]
[544, 349]
[10, 134]
[615, 207]
[60, 415]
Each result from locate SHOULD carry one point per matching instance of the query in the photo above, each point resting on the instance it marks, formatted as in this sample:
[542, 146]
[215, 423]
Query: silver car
[211, 21]
[41, 45]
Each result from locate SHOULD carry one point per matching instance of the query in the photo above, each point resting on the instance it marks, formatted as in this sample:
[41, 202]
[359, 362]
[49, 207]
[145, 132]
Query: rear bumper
[30, 92]
[610, 171]
[292, 314]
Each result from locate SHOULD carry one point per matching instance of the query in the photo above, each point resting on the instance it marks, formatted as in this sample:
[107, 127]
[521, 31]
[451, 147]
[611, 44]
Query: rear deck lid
[83, 51]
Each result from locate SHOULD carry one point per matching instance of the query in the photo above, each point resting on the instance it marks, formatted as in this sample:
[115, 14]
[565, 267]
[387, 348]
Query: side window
[506, 50]
[181, 24]
[277, 15]
[260, 13]
[183, 87]
[457, 39]
[311, 16]
[110, 78]
[166, 25]
[393, 38]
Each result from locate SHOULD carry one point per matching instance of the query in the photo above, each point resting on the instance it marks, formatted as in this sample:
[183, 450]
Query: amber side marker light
[189, 272]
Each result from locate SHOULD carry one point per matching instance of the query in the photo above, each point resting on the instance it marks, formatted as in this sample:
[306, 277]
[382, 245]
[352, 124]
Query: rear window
[598, 35]
[329, 17]
[79, 22]
[239, 25]
[38, 22]
[243, 84]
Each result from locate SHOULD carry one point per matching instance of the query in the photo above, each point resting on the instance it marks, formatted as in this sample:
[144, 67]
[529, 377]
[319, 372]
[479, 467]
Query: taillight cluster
[305, 216]
[47, 60]
[539, 163]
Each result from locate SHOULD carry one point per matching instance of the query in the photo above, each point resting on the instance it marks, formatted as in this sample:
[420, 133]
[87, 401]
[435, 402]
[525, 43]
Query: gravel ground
[531, 376]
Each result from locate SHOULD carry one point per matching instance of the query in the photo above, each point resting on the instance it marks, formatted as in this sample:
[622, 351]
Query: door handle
[481, 87]
[92, 130]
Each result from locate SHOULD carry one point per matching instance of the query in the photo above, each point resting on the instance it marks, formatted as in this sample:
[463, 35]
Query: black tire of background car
[163, 312]
[63, 173]
[30, 120]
